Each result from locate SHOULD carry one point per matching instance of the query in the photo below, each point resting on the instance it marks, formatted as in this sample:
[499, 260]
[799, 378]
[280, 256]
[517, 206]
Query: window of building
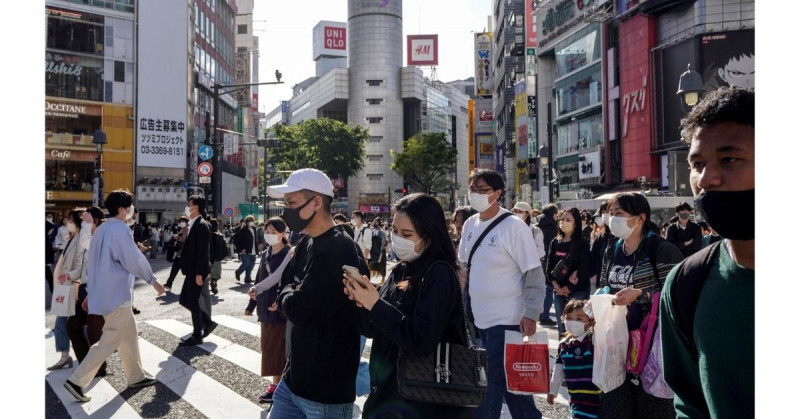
[119, 71]
[376, 176]
[374, 101]
[580, 134]
[375, 139]
[73, 76]
[374, 157]
[374, 120]
[579, 94]
[374, 83]
[241, 29]
[578, 51]
[75, 31]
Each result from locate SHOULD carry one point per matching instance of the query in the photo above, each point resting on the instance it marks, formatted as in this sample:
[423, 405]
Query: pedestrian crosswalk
[191, 375]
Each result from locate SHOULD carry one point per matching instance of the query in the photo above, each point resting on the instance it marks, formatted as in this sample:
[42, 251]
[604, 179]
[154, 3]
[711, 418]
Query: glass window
[579, 94]
[119, 71]
[374, 101]
[374, 120]
[374, 82]
[73, 76]
[75, 31]
[581, 134]
[578, 51]
[241, 29]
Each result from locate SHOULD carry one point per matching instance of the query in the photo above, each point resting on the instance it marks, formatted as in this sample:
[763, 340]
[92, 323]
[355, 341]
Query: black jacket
[549, 229]
[244, 240]
[679, 236]
[268, 297]
[322, 333]
[417, 319]
[598, 251]
[195, 260]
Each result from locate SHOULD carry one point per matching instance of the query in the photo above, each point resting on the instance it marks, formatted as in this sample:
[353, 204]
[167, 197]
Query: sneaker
[209, 329]
[148, 381]
[135, 310]
[237, 277]
[192, 341]
[267, 396]
[76, 392]
[167, 289]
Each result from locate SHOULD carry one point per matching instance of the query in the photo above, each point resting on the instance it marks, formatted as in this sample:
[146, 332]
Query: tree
[324, 144]
[427, 162]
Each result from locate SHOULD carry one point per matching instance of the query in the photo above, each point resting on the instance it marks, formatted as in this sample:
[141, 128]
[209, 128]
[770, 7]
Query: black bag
[453, 375]
[561, 271]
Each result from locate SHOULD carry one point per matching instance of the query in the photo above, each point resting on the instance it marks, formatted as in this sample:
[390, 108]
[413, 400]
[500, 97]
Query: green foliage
[325, 144]
[427, 162]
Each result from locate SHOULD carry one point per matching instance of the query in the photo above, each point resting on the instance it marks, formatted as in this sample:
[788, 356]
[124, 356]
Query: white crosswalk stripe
[105, 402]
[193, 386]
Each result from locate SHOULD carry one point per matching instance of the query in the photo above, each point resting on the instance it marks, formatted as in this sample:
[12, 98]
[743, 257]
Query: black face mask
[715, 207]
[293, 220]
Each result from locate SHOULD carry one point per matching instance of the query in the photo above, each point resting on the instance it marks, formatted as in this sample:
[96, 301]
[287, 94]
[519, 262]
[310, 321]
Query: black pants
[82, 342]
[176, 267]
[201, 315]
[48, 276]
[630, 401]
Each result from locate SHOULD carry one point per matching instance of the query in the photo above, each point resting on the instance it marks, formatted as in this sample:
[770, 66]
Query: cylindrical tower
[375, 56]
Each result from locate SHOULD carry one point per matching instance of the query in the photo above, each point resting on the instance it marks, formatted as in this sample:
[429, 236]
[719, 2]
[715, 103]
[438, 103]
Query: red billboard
[422, 49]
[637, 37]
[530, 25]
[335, 38]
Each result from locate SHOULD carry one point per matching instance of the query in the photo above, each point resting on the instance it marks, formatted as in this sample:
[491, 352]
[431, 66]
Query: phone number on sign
[161, 150]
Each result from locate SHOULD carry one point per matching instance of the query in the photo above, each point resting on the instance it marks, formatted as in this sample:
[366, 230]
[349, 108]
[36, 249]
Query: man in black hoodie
[547, 223]
[322, 339]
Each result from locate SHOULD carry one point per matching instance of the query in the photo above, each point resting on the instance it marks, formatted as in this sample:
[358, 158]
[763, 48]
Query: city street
[220, 378]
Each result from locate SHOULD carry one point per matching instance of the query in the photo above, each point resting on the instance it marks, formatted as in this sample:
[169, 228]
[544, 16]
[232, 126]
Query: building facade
[89, 84]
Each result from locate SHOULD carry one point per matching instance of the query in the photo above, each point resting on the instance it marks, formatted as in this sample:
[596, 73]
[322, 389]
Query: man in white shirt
[506, 287]
[363, 234]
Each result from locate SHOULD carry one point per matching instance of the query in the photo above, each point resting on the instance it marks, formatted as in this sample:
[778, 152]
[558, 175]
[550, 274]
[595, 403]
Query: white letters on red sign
[633, 102]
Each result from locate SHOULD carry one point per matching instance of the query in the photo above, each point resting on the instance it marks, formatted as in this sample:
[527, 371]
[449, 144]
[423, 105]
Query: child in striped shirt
[574, 362]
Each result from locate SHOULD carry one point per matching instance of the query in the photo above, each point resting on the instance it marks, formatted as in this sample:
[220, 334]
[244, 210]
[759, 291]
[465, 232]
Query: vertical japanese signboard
[163, 88]
[483, 57]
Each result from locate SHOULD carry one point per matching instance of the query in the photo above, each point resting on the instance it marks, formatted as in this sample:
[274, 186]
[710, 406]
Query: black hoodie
[549, 228]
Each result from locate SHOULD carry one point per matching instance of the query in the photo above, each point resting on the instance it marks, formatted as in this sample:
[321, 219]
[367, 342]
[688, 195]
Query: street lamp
[690, 86]
[216, 144]
[98, 138]
[269, 171]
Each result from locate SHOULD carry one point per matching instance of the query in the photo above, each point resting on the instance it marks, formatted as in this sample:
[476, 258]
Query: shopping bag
[610, 342]
[640, 340]
[63, 303]
[527, 363]
[653, 374]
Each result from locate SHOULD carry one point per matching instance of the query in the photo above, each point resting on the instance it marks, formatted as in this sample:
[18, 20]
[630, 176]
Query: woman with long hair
[265, 291]
[632, 274]
[571, 280]
[81, 342]
[457, 223]
[418, 307]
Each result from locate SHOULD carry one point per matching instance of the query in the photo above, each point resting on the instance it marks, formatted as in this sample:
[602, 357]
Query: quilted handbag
[452, 375]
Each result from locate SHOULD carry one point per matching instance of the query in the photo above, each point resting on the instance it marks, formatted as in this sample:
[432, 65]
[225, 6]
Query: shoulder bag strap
[480, 239]
[467, 328]
[687, 286]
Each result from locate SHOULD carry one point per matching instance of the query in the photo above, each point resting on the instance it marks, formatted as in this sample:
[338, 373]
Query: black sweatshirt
[581, 261]
[323, 338]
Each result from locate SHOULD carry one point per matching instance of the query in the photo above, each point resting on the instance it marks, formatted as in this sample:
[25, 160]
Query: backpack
[690, 277]
[219, 250]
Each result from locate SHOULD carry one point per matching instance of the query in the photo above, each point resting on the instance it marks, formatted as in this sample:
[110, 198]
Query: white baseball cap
[310, 179]
[523, 206]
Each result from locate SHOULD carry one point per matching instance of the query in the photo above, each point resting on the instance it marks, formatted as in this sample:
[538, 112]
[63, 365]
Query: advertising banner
[485, 143]
[330, 39]
[483, 57]
[530, 25]
[422, 49]
[162, 100]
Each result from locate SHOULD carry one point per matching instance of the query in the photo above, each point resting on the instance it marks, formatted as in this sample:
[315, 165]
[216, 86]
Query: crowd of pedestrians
[492, 269]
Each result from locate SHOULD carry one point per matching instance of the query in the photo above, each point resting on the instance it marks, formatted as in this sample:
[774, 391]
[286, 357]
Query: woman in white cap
[523, 211]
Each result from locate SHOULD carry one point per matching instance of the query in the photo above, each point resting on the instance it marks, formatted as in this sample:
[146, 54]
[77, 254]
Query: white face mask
[619, 227]
[272, 239]
[129, 213]
[250, 224]
[575, 327]
[187, 211]
[130, 222]
[600, 221]
[182, 224]
[50, 219]
[606, 217]
[479, 202]
[404, 248]
[71, 228]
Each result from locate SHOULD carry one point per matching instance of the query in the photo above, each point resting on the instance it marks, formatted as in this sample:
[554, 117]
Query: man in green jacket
[707, 305]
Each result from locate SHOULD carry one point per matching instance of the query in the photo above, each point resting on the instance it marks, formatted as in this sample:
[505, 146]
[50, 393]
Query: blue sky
[278, 22]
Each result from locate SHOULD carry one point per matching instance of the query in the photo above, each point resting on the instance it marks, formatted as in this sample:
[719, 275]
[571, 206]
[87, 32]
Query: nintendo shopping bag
[610, 342]
[527, 363]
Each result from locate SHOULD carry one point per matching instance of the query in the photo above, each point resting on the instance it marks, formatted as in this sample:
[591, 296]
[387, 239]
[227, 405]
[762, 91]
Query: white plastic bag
[610, 342]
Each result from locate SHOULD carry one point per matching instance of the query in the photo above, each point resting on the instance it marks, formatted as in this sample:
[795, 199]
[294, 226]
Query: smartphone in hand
[355, 274]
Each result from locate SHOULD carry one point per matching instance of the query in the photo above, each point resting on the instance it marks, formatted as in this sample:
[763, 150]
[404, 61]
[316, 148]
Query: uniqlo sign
[422, 49]
[335, 38]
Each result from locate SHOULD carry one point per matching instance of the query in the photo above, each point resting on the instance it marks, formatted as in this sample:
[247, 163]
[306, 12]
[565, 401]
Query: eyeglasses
[480, 191]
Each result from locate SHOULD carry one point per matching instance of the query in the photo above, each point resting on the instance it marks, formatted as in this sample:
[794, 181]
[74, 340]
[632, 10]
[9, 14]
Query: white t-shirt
[496, 281]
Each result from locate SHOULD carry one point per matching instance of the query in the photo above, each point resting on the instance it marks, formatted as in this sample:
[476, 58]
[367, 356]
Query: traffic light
[405, 191]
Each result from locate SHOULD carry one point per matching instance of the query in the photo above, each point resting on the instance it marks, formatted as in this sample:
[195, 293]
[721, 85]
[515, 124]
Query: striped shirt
[576, 357]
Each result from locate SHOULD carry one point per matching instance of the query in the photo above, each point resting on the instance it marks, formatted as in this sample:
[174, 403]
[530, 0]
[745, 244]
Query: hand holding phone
[355, 274]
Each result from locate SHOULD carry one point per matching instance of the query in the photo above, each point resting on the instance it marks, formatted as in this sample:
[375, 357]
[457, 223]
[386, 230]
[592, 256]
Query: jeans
[362, 379]
[520, 405]
[248, 262]
[62, 338]
[548, 301]
[562, 301]
[289, 406]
